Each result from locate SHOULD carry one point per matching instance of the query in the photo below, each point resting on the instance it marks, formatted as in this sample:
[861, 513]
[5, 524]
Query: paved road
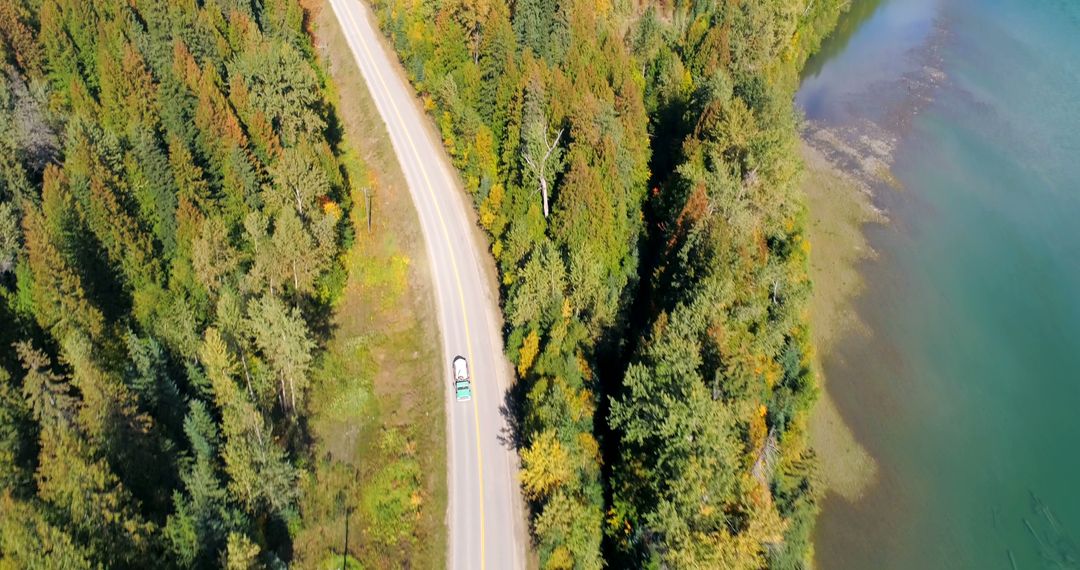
[485, 517]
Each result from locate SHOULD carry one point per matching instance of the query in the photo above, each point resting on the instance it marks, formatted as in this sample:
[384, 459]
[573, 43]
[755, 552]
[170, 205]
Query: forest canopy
[171, 217]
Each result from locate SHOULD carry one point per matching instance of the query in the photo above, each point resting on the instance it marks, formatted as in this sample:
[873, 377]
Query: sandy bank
[839, 205]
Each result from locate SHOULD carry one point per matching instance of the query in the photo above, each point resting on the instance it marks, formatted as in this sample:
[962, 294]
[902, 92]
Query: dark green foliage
[149, 376]
[204, 516]
[17, 439]
[541, 27]
[728, 293]
[136, 138]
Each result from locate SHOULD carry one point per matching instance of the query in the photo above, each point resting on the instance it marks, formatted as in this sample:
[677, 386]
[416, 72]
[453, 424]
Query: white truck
[462, 382]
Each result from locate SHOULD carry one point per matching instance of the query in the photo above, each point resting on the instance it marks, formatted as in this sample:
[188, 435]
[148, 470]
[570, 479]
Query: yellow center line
[453, 265]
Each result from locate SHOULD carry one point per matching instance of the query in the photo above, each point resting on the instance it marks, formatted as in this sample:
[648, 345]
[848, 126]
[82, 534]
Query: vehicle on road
[462, 382]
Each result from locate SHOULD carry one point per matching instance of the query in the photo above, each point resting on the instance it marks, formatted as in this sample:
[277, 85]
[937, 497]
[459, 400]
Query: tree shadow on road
[512, 409]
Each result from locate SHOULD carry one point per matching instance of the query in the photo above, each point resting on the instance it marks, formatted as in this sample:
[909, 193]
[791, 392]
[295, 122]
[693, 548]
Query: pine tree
[260, 475]
[204, 517]
[296, 257]
[282, 338]
[59, 298]
[298, 179]
[213, 256]
[283, 88]
[92, 500]
[20, 37]
[10, 237]
[17, 435]
[28, 540]
[50, 396]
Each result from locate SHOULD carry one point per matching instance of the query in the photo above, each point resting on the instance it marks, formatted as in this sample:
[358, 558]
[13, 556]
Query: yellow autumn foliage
[332, 209]
[545, 465]
[529, 348]
[560, 559]
[490, 207]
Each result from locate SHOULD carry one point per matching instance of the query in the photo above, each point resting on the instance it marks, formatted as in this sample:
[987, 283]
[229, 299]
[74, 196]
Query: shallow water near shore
[966, 386]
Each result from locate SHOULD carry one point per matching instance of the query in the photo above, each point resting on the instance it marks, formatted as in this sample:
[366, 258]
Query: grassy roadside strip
[377, 421]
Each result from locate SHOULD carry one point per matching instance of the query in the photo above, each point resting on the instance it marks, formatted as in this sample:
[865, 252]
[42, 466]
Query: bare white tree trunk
[247, 375]
[284, 406]
[538, 168]
[292, 394]
[292, 385]
[255, 423]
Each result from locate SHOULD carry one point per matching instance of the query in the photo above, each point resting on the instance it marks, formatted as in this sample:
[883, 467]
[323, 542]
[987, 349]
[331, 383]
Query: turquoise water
[967, 390]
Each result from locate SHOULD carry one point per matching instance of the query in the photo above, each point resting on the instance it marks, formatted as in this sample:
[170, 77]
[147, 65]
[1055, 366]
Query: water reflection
[876, 40]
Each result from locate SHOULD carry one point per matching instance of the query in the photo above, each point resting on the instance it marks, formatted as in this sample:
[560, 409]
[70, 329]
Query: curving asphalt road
[485, 515]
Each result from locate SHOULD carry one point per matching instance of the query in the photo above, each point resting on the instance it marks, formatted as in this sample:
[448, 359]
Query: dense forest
[173, 205]
[635, 166]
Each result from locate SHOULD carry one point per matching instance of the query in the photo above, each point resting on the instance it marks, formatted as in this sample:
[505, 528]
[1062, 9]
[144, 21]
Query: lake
[966, 387]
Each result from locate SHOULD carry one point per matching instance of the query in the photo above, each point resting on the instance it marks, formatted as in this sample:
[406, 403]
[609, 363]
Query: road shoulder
[378, 419]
